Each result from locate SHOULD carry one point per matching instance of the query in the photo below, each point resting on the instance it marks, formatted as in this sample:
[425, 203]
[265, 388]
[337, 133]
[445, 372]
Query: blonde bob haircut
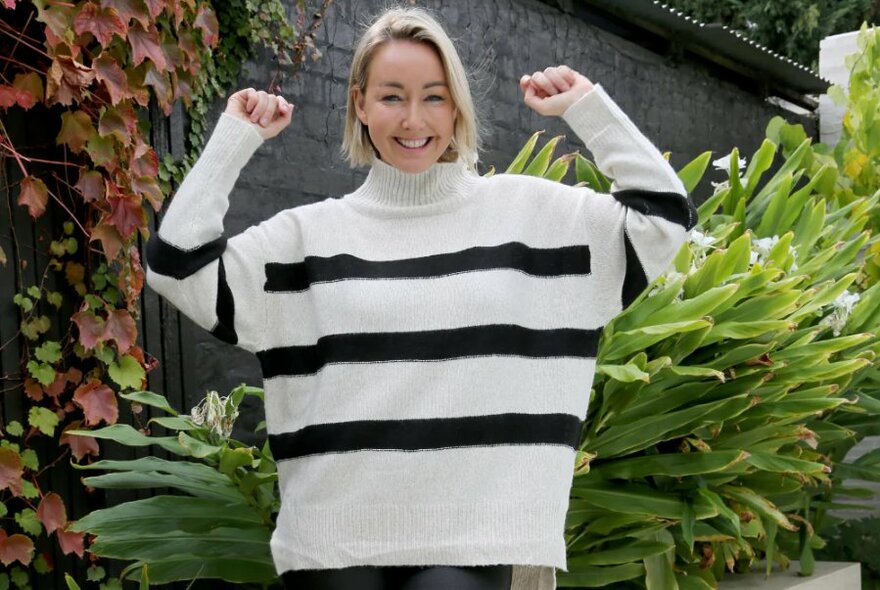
[413, 24]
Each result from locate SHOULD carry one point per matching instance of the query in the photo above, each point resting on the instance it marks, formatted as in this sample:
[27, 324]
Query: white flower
[217, 413]
[700, 239]
[724, 163]
[717, 186]
[840, 310]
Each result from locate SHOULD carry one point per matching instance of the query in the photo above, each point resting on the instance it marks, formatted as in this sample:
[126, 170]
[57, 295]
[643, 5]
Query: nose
[413, 116]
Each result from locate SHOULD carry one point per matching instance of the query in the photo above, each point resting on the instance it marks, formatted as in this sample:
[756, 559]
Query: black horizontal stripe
[225, 328]
[541, 262]
[428, 434]
[167, 259]
[431, 345]
[673, 207]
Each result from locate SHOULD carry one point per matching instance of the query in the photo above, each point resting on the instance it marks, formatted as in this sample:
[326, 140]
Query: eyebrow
[399, 85]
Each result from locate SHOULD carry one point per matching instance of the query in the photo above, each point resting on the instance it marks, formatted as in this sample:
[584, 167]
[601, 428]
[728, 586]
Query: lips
[413, 145]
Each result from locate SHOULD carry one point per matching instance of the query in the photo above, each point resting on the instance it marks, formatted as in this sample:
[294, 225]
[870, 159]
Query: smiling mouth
[413, 145]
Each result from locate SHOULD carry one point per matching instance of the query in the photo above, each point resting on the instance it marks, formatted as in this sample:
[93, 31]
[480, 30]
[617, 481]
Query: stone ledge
[828, 575]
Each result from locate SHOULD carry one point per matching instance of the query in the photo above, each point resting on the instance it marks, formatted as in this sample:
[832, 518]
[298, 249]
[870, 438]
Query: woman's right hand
[268, 113]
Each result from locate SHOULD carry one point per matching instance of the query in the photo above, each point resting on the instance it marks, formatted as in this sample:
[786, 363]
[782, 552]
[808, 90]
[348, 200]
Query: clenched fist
[268, 113]
[552, 91]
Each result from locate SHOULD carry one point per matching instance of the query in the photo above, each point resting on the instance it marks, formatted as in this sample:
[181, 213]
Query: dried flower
[216, 413]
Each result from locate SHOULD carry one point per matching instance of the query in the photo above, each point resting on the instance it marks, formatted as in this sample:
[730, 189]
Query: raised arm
[648, 208]
[218, 283]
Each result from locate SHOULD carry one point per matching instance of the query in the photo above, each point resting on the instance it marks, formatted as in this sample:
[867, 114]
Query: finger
[569, 74]
[271, 110]
[261, 106]
[288, 108]
[544, 83]
[556, 77]
[252, 99]
[531, 98]
[524, 81]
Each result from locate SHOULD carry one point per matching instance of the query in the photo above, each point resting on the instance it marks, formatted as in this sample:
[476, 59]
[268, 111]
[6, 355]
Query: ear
[359, 99]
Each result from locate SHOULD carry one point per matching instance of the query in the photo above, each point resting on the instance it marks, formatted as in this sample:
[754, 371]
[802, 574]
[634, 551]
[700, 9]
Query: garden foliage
[89, 69]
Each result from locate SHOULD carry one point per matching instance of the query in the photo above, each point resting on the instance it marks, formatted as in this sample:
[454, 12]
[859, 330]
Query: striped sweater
[427, 341]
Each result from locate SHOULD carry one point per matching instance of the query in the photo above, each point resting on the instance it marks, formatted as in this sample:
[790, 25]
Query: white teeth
[414, 143]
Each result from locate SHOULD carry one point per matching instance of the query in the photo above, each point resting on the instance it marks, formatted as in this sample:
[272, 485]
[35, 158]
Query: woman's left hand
[552, 91]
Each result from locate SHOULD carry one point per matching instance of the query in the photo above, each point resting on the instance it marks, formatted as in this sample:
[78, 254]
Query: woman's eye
[436, 96]
[389, 97]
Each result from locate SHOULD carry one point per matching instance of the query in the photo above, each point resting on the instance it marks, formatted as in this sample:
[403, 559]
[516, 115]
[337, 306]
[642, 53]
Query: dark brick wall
[682, 104]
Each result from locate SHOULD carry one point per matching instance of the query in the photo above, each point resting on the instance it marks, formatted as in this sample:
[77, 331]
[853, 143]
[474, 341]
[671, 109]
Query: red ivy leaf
[15, 547]
[91, 185]
[10, 4]
[9, 96]
[111, 241]
[71, 542]
[156, 7]
[76, 129]
[91, 328]
[66, 80]
[108, 71]
[144, 161]
[129, 9]
[11, 471]
[34, 195]
[98, 403]
[33, 389]
[32, 84]
[148, 187]
[119, 121]
[127, 214]
[135, 78]
[56, 388]
[144, 44]
[52, 512]
[206, 20]
[103, 23]
[80, 446]
[162, 87]
[120, 327]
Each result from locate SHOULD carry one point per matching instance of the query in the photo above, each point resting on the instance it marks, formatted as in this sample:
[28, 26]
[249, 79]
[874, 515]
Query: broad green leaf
[693, 171]
[524, 154]
[598, 577]
[148, 398]
[44, 419]
[669, 465]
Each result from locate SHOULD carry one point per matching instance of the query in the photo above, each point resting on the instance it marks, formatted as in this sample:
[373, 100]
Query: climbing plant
[91, 68]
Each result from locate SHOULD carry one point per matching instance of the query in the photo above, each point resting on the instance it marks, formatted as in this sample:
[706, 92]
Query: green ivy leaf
[34, 291]
[41, 565]
[56, 248]
[33, 327]
[68, 227]
[127, 372]
[112, 584]
[54, 298]
[71, 245]
[2, 261]
[28, 521]
[20, 578]
[44, 419]
[104, 353]
[30, 459]
[29, 490]
[95, 573]
[14, 428]
[23, 302]
[49, 352]
[3, 512]
[42, 372]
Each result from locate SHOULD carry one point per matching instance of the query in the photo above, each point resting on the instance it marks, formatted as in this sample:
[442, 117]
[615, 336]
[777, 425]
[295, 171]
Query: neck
[441, 186]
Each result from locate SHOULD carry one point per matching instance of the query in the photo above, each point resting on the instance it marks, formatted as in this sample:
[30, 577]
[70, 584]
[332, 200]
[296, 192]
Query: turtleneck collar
[390, 191]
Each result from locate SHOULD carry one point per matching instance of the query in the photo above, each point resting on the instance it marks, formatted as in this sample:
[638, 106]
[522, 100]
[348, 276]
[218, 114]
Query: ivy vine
[93, 66]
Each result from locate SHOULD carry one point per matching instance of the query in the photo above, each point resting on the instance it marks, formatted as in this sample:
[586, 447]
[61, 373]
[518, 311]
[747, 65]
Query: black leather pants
[438, 577]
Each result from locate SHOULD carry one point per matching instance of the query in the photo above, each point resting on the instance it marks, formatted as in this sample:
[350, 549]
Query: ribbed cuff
[593, 114]
[231, 145]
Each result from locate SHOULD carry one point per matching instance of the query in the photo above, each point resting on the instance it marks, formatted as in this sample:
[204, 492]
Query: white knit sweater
[427, 341]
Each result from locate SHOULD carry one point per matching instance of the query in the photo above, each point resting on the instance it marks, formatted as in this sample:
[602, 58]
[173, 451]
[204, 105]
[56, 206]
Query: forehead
[405, 62]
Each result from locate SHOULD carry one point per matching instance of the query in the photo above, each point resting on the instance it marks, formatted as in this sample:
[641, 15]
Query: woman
[427, 341]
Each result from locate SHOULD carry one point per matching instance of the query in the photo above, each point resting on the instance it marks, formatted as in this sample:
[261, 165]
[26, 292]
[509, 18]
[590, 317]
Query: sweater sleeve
[648, 208]
[217, 283]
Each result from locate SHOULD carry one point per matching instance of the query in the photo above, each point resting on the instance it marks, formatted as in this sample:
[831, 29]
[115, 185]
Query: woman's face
[407, 98]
